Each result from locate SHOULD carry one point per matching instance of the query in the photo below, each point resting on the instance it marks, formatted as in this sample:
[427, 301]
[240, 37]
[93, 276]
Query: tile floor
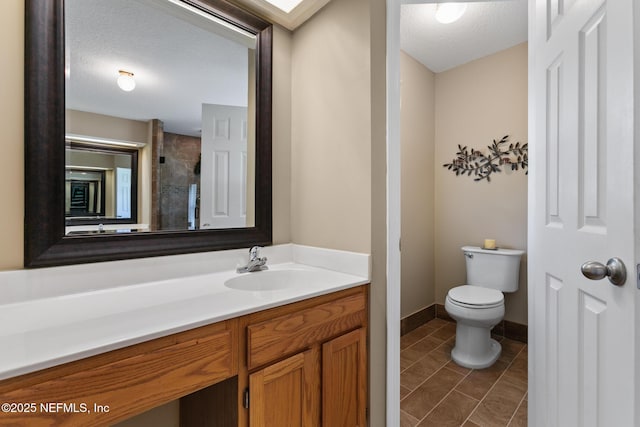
[434, 391]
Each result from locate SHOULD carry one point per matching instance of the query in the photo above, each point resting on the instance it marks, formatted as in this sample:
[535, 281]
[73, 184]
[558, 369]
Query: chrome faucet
[255, 262]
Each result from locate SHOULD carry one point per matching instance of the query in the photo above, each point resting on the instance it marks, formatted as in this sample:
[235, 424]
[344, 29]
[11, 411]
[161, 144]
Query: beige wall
[476, 103]
[417, 121]
[11, 123]
[338, 150]
[331, 129]
[109, 127]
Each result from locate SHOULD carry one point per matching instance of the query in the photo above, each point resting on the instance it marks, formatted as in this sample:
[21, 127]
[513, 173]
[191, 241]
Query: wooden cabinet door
[285, 394]
[344, 380]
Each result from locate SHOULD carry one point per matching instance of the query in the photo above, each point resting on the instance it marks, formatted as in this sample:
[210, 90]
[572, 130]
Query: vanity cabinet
[301, 364]
[306, 363]
[117, 385]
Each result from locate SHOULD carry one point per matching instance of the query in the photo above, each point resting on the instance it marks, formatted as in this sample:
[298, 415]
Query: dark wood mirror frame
[45, 242]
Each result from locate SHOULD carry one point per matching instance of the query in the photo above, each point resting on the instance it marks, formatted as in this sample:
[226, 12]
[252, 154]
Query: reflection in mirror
[85, 194]
[100, 184]
[53, 109]
[181, 84]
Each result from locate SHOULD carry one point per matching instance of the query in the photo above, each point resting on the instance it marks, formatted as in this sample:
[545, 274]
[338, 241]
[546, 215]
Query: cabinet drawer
[125, 382]
[288, 334]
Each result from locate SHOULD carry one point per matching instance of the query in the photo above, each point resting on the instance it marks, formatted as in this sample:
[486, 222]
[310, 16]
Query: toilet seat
[475, 297]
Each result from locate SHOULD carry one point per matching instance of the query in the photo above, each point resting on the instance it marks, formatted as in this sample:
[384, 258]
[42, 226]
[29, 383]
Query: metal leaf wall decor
[481, 166]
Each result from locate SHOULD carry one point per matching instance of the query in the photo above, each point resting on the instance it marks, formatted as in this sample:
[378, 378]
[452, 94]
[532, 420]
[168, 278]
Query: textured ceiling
[485, 28]
[178, 66]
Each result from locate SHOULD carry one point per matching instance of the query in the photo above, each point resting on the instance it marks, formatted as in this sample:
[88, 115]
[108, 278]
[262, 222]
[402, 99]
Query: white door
[123, 193]
[581, 198]
[223, 194]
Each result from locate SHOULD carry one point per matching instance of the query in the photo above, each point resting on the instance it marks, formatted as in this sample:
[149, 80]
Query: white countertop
[58, 315]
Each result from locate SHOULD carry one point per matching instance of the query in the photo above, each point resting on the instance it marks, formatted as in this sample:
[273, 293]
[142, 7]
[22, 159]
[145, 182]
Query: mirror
[80, 213]
[124, 71]
[100, 188]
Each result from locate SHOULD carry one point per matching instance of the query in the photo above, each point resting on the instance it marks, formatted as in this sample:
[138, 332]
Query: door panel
[582, 332]
[282, 394]
[344, 380]
[224, 167]
[123, 194]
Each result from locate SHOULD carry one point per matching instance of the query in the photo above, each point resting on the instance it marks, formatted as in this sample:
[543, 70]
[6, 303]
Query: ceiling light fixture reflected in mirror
[126, 82]
[447, 13]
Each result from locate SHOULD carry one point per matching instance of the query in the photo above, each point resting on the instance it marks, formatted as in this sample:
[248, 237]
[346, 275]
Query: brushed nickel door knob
[614, 270]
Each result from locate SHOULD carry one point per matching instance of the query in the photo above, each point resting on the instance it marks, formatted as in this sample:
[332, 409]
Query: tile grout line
[409, 415]
[413, 363]
[437, 328]
[430, 333]
[493, 386]
[470, 397]
[516, 411]
[415, 343]
[485, 395]
[430, 376]
[445, 396]
[427, 378]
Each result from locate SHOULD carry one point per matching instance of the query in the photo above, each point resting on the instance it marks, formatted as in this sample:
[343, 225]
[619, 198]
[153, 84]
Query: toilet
[478, 305]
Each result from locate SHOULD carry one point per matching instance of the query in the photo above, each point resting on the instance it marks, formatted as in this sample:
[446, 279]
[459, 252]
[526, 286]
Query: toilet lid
[476, 295]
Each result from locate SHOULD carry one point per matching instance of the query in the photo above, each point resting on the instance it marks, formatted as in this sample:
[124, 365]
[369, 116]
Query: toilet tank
[497, 269]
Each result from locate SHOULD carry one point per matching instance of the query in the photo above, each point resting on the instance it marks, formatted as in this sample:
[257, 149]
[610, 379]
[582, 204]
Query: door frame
[393, 212]
[393, 201]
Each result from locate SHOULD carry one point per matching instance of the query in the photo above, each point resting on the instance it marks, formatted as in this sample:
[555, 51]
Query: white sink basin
[271, 280]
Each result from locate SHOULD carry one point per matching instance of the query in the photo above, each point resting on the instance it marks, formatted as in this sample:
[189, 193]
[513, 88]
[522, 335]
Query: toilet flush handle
[468, 255]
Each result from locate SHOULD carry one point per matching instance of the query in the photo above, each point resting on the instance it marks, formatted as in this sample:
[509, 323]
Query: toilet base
[475, 349]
